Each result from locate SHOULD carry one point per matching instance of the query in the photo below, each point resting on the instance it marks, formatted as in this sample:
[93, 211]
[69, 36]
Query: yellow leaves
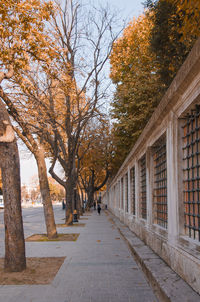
[132, 49]
[22, 31]
[133, 67]
[189, 12]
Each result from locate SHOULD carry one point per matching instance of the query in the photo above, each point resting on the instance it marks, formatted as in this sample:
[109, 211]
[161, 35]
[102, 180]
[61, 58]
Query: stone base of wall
[186, 265]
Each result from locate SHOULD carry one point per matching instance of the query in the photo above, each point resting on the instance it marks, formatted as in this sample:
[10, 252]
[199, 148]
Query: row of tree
[53, 84]
[144, 61]
[52, 75]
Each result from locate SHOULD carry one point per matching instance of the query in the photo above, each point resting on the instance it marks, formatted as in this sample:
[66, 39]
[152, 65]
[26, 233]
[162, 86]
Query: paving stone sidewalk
[99, 267]
[168, 285]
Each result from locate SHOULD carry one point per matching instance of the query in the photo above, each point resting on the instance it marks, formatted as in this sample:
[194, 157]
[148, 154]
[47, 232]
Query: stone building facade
[156, 192]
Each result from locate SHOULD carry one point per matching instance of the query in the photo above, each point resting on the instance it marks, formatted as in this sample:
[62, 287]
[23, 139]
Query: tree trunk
[15, 260]
[45, 193]
[69, 190]
[79, 206]
[91, 189]
[69, 201]
[70, 186]
[82, 202]
[90, 194]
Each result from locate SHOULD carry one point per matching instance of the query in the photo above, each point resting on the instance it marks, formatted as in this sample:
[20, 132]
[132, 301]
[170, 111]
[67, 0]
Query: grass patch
[44, 238]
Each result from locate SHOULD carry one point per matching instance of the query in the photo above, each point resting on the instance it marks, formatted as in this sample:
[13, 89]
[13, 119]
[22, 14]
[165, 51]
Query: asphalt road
[33, 221]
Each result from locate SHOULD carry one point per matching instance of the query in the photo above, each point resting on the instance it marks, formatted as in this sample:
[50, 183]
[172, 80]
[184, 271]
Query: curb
[167, 285]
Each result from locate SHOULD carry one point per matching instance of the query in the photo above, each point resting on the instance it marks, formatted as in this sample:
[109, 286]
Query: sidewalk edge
[167, 285]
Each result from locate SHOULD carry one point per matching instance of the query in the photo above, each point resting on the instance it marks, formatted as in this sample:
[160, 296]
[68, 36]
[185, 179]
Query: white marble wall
[172, 244]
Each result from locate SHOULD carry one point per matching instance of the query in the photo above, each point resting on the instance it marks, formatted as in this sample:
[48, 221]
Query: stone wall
[156, 193]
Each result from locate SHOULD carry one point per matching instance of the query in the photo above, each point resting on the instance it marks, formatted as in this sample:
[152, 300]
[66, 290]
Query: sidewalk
[99, 267]
[167, 284]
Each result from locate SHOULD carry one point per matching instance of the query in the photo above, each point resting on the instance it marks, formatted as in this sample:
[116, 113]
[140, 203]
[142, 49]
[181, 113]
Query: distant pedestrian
[95, 205]
[99, 209]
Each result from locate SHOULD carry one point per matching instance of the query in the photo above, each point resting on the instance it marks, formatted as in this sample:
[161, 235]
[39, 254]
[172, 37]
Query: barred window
[126, 192]
[143, 187]
[160, 183]
[118, 194]
[132, 175]
[114, 196]
[191, 173]
[122, 193]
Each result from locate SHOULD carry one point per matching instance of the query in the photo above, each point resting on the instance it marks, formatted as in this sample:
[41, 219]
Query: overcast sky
[128, 9]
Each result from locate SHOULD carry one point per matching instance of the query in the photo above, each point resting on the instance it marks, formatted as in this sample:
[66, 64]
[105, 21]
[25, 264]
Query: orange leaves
[133, 69]
[22, 35]
[131, 50]
[95, 150]
[189, 11]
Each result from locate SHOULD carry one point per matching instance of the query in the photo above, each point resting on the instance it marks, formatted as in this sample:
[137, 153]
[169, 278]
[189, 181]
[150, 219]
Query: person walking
[99, 209]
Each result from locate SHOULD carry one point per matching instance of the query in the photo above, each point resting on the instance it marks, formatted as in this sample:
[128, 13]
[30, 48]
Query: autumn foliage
[134, 71]
[144, 61]
[52, 75]
[189, 10]
[21, 31]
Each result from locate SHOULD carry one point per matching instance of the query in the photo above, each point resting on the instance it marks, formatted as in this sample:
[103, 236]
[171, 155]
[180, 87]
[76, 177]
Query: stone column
[137, 190]
[124, 196]
[120, 194]
[149, 185]
[129, 191]
[172, 178]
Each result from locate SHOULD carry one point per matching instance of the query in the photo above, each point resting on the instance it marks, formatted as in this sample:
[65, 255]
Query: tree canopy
[134, 71]
[95, 157]
[22, 24]
[189, 11]
[144, 61]
[168, 38]
[22, 40]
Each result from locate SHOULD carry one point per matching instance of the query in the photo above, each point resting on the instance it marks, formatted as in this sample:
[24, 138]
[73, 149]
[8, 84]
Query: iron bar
[143, 187]
[191, 175]
[160, 183]
[132, 172]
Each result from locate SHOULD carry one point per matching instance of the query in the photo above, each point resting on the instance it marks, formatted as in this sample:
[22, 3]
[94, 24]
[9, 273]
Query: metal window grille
[143, 187]
[118, 194]
[126, 187]
[115, 190]
[160, 183]
[113, 196]
[122, 193]
[133, 188]
[191, 174]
